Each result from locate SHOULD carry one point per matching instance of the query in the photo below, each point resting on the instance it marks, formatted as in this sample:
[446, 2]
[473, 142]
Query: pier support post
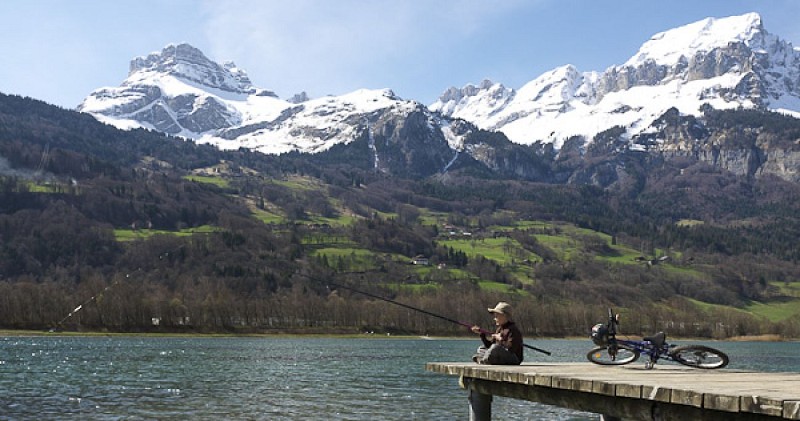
[480, 406]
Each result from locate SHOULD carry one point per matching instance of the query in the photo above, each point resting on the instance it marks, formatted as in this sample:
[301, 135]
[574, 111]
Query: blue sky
[60, 50]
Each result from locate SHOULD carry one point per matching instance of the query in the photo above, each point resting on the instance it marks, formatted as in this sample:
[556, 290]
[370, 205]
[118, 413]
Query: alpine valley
[189, 199]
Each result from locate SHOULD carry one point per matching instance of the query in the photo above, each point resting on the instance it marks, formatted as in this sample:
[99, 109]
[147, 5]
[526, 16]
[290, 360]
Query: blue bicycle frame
[613, 351]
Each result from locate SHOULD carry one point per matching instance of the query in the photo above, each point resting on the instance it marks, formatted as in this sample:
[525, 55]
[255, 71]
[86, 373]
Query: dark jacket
[511, 338]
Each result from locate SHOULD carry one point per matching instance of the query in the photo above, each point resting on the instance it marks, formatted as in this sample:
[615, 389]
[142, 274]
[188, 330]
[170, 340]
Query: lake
[268, 378]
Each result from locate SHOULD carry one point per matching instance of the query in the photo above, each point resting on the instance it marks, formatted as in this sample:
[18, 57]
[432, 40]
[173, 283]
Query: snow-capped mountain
[726, 63]
[723, 64]
[181, 92]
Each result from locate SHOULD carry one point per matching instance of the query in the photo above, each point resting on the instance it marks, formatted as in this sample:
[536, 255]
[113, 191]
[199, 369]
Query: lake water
[264, 378]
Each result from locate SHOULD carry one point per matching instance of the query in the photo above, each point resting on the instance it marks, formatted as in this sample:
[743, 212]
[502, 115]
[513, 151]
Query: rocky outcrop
[149, 95]
[743, 144]
[783, 163]
[188, 63]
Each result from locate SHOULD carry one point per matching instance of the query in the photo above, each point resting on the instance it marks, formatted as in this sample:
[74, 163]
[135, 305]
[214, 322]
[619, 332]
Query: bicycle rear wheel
[699, 356]
[604, 355]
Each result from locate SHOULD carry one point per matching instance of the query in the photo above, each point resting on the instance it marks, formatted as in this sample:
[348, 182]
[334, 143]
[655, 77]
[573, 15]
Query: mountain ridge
[723, 62]
[726, 63]
[713, 64]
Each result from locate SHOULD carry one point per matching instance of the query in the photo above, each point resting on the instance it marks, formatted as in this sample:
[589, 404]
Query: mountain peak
[168, 56]
[189, 63]
[723, 63]
[702, 36]
[487, 93]
[456, 94]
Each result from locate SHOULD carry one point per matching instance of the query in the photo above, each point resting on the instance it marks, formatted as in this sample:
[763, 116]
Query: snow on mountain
[723, 63]
[726, 63]
[181, 92]
[667, 48]
[312, 126]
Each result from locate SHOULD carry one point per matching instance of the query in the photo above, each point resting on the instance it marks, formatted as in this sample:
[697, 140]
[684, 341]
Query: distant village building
[420, 260]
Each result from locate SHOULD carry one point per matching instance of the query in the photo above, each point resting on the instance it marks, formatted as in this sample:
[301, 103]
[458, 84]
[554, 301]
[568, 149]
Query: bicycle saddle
[657, 340]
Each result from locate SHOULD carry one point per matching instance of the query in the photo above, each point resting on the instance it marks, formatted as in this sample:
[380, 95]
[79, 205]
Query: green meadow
[217, 181]
[140, 234]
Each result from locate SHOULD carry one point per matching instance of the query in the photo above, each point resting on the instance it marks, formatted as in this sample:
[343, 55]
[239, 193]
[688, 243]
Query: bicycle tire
[699, 356]
[602, 356]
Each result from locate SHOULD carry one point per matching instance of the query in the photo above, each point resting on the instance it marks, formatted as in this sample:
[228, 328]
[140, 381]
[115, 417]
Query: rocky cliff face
[175, 91]
[725, 63]
[188, 63]
[751, 150]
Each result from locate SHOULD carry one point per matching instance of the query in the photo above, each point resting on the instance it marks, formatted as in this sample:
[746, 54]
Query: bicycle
[613, 351]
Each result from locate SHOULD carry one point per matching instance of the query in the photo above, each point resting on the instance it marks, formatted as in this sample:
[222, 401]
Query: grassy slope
[565, 240]
[139, 234]
[786, 305]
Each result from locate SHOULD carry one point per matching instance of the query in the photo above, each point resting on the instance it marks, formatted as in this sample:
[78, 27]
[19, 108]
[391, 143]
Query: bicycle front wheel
[699, 356]
[604, 355]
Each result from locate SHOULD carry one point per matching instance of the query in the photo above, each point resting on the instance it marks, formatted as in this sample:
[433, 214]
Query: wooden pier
[666, 392]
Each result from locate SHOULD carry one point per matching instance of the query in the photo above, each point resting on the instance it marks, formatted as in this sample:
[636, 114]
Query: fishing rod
[80, 306]
[438, 316]
[92, 298]
[100, 294]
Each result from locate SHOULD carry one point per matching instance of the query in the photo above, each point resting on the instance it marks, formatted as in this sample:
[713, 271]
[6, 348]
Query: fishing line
[100, 294]
[465, 324]
[80, 306]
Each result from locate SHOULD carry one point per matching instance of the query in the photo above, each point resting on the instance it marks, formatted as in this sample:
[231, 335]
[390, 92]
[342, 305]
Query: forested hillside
[152, 233]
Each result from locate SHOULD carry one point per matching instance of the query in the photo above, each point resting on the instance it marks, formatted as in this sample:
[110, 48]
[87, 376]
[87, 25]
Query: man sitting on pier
[504, 347]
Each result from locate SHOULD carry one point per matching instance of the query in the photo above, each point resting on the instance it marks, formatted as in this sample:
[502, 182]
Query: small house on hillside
[420, 260]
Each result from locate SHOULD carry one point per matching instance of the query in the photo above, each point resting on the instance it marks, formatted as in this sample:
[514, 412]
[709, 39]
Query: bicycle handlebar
[613, 321]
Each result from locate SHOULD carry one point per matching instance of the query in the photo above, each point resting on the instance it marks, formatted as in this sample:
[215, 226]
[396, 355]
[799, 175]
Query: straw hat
[502, 308]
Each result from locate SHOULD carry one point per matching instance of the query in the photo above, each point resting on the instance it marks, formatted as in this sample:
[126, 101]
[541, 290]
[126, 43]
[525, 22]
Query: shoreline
[295, 334]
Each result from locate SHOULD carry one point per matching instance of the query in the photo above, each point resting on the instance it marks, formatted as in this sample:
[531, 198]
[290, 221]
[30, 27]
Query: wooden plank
[629, 391]
[703, 394]
[656, 393]
[604, 388]
[543, 380]
[730, 403]
[687, 397]
[761, 405]
[791, 410]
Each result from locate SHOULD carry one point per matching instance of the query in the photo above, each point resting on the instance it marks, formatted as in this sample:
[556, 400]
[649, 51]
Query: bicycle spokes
[700, 356]
[612, 356]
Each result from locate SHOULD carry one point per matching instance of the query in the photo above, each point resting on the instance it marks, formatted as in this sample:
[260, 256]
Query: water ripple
[133, 378]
